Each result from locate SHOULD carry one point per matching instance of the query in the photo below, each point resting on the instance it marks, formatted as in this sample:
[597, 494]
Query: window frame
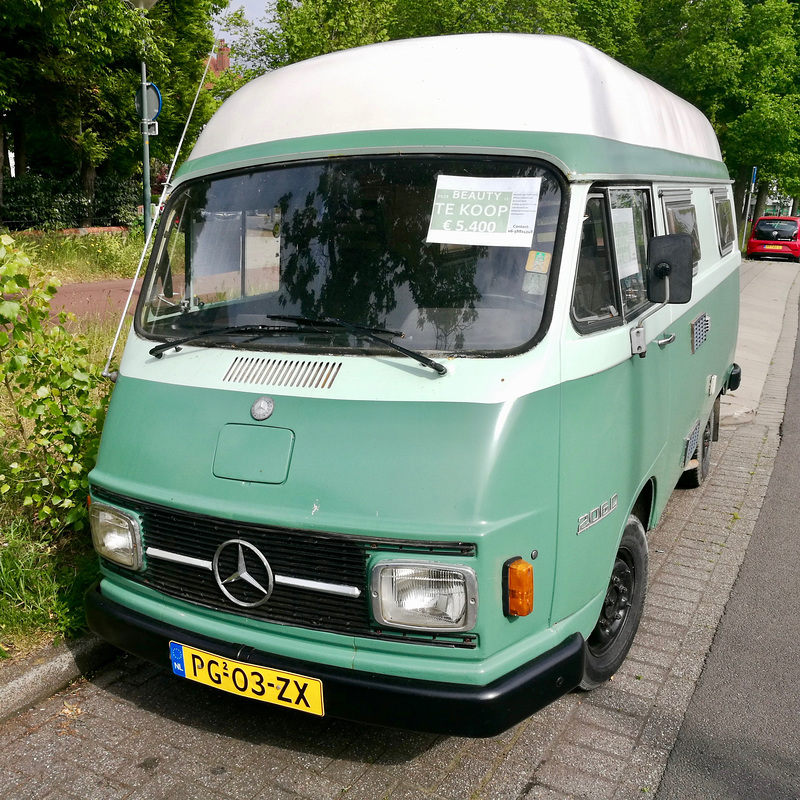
[682, 198]
[585, 327]
[721, 197]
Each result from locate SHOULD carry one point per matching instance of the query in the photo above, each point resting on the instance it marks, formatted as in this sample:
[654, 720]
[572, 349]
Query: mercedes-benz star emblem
[262, 408]
[239, 566]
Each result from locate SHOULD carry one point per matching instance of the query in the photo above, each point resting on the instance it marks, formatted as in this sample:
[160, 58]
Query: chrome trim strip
[319, 586]
[177, 558]
[298, 583]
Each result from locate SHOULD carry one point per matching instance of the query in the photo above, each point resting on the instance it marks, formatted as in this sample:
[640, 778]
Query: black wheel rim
[616, 606]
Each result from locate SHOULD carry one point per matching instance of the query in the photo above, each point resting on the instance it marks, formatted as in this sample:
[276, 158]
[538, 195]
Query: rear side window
[726, 228]
[682, 218]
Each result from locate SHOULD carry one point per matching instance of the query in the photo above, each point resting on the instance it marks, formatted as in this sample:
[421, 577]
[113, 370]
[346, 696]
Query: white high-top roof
[490, 81]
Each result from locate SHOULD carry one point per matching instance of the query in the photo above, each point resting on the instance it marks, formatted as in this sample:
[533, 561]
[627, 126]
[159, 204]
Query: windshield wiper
[364, 332]
[258, 330]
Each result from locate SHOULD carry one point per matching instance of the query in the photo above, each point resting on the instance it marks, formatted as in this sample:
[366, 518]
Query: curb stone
[39, 676]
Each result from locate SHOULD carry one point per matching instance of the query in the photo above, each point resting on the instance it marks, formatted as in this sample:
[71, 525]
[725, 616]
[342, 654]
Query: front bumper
[430, 706]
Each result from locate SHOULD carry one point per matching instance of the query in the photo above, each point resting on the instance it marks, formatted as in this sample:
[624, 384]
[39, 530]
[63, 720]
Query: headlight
[424, 596]
[116, 535]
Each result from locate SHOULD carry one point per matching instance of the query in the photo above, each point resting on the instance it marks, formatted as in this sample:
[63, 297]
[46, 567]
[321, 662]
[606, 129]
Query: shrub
[53, 400]
[36, 201]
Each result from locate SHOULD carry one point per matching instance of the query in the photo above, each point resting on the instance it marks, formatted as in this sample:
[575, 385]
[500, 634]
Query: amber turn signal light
[517, 587]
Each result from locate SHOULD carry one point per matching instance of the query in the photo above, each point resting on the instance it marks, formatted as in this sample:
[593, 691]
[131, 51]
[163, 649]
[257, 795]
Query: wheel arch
[643, 505]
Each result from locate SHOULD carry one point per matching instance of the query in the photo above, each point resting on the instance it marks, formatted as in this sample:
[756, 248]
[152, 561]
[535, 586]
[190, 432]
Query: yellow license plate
[248, 680]
[773, 247]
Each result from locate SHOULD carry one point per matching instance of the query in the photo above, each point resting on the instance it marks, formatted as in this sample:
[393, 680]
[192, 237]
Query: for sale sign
[497, 212]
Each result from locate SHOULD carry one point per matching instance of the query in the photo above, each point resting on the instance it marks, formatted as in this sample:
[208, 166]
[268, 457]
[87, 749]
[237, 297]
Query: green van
[424, 345]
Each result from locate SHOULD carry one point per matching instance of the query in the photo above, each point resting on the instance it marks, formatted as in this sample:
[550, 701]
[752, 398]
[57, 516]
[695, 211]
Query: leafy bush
[53, 400]
[36, 201]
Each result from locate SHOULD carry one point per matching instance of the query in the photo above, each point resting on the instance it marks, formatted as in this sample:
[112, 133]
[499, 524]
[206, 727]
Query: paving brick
[308, 784]
[466, 778]
[602, 740]
[608, 719]
[575, 783]
[374, 784]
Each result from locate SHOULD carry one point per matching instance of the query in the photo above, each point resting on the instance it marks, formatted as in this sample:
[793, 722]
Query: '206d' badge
[262, 408]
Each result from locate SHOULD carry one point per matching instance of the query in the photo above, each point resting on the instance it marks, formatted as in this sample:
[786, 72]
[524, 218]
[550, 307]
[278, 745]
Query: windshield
[447, 254]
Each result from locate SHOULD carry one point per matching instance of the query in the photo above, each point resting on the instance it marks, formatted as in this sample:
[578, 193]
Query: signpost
[748, 195]
[145, 106]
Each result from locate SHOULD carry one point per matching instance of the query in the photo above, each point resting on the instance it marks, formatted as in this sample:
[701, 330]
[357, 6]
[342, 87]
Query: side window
[595, 303]
[726, 228]
[682, 218]
[631, 221]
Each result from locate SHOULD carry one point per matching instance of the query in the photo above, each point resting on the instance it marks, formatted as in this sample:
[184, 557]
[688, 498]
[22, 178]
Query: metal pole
[745, 215]
[145, 153]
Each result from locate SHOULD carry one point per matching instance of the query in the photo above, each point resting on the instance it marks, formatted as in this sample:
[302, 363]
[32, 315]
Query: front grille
[309, 556]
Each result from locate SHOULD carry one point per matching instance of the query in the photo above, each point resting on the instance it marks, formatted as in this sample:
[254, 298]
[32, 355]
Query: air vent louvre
[283, 372]
[700, 328]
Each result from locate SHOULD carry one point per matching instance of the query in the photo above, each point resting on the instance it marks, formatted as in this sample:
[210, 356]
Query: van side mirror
[670, 262]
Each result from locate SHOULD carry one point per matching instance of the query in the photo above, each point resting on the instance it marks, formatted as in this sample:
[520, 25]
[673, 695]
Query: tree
[69, 70]
[737, 62]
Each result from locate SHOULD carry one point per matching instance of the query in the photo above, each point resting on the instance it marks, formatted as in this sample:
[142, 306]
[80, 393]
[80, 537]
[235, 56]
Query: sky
[253, 9]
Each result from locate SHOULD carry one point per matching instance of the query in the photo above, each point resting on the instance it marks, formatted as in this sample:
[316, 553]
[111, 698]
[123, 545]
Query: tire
[695, 477]
[612, 637]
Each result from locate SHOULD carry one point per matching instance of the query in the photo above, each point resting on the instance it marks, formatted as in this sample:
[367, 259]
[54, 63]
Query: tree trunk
[2, 160]
[740, 188]
[20, 147]
[88, 175]
[795, 205]
[761, 200]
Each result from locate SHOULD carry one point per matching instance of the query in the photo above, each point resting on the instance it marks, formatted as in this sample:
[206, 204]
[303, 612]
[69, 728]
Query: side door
[615, 406]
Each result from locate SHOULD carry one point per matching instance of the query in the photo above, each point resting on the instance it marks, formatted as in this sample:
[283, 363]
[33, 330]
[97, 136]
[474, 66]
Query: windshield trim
[271, 346]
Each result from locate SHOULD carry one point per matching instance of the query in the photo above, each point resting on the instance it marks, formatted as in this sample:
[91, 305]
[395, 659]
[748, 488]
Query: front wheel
[612, 637]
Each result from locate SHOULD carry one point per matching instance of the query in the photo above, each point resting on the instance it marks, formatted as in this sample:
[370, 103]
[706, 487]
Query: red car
[775, 236]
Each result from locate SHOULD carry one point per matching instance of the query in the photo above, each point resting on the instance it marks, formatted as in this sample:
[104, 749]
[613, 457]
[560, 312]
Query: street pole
[144, 6]
[746, 211]
[145, 153]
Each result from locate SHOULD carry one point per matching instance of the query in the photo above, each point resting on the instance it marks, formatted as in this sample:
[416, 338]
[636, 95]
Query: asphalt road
[740, 739]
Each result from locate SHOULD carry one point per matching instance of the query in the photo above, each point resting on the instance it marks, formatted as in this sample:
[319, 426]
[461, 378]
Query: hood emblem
[243, 573]
[262, 408]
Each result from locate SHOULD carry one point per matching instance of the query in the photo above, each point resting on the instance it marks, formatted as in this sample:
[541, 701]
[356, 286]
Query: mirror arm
[638, 342]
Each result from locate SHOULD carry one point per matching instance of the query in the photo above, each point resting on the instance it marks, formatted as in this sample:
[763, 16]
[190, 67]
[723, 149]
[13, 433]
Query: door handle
[668, 339]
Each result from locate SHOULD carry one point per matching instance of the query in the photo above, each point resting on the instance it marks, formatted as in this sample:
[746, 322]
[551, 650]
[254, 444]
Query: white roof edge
[490, 81]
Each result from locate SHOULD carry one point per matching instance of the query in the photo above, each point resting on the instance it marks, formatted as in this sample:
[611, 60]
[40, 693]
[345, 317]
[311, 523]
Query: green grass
[42, 582]
[81, 259]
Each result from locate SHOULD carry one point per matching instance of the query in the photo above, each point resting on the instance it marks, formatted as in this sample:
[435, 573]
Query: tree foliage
[736, 60]
[69, 70]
